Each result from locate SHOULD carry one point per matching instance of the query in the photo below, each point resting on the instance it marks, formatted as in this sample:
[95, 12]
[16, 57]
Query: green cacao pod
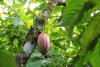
[43, 43]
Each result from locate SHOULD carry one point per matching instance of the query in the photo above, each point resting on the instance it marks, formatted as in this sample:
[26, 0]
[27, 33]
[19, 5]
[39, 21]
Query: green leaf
[87, 57]
[59, 45]
[91, 32]
[6, 60]
[54, 52]
[1, 2]
[95, 58]
[71, 11]
[97, 3]
[79, 63]
[75, 13]
[35, 64]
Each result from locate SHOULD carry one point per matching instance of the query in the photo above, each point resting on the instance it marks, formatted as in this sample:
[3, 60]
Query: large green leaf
[72, 9]
[91, 32]
[95, 58]
[75, 13]
[6, 60]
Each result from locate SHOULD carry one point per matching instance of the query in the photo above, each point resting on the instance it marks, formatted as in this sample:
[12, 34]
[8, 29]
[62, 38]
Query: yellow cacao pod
[43, 43]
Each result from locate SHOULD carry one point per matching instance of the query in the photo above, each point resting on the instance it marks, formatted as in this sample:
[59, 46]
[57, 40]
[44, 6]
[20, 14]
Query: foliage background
[75, 41]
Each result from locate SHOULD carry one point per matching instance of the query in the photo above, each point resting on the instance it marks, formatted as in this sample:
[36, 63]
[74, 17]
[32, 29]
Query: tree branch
[31, 38]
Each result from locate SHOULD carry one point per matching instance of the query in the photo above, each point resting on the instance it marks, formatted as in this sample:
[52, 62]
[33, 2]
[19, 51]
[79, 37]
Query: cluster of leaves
[74, 30]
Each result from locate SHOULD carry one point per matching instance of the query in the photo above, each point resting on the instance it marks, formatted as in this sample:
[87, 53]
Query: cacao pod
[43, 43]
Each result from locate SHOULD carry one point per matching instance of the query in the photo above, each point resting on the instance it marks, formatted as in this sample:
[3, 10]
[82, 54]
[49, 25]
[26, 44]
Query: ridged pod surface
[43, 43]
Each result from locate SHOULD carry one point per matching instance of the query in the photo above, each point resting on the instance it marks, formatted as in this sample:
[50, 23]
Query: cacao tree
[49, 33]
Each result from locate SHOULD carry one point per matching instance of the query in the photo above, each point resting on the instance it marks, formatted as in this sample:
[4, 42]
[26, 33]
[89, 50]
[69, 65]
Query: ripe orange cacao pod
[43, 43]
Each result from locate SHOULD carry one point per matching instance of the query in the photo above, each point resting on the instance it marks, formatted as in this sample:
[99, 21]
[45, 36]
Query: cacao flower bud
[43, 43]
